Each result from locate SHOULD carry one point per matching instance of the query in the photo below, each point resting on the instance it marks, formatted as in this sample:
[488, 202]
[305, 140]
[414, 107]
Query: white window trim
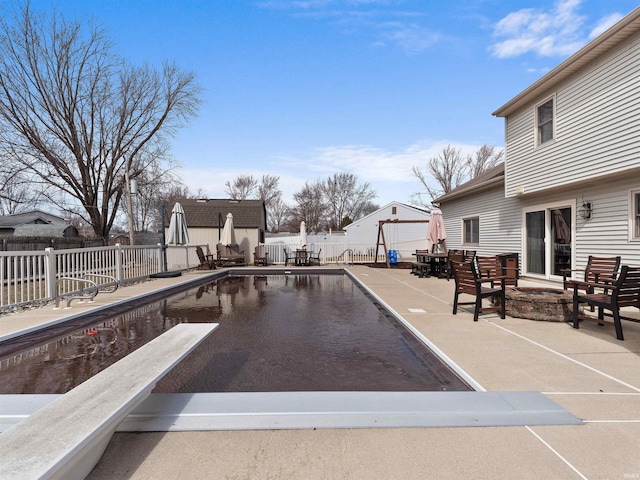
[472, 217]
[523, 235]
[632, 194]
[535, 122]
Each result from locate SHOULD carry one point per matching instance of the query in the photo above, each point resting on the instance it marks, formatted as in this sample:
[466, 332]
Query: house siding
[607, 232]
[596, 127]
[499, 221]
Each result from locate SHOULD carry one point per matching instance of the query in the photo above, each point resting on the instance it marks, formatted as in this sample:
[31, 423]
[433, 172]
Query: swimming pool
[271, 409]
[278, 333]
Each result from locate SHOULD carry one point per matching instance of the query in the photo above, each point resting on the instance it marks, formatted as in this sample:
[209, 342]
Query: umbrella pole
[164, 243]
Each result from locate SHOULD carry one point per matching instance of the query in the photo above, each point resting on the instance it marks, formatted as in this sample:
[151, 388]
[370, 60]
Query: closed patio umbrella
[178, 232]
[562, 230]
[228, 236]
[436, 233]
[303, 235]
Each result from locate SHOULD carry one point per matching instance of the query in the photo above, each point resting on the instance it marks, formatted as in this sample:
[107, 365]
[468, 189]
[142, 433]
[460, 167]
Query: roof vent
[201, 200]
[234, 201]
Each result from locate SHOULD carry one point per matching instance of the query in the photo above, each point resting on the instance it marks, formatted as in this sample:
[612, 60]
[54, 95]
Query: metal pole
[164, 243]
[129, 206]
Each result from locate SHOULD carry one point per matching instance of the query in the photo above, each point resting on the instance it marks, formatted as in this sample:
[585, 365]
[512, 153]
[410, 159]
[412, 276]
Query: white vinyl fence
[35, 277]
[338, 253]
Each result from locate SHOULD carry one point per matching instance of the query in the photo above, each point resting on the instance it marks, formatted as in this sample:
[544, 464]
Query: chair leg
[455, 303]
[617, 323]
[576, 306]
[503, 301]
[478, 307]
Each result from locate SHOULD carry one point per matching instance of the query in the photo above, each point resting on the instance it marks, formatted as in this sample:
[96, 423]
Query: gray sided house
[571, 184]
[205, 220]
[37, 230]
[32, 221]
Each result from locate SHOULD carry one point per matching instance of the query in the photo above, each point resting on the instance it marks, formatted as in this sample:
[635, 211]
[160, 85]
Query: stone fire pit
[545, 304]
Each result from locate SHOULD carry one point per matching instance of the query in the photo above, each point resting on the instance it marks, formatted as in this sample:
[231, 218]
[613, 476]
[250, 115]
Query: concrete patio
[586, 371]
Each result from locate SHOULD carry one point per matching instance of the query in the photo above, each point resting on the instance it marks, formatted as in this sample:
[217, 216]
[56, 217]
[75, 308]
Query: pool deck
[588, 372]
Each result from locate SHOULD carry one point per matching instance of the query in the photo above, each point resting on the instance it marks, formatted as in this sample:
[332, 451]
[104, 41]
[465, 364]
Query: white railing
[22, 277]
[31, 277]
[338, 253]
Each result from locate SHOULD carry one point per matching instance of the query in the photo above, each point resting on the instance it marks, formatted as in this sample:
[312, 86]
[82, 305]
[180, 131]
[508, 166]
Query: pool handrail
[86, 290]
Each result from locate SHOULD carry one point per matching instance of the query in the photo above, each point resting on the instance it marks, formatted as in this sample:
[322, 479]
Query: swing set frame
[381, 224]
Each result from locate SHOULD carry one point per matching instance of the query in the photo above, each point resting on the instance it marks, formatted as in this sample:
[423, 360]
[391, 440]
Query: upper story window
[471, 232]
[635, 215]
[544, 121]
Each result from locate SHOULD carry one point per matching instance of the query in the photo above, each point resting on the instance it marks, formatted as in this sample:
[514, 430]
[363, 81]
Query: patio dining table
[307, 258]
[437, 263]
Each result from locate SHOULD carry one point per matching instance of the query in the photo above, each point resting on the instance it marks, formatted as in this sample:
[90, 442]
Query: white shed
[404, 237]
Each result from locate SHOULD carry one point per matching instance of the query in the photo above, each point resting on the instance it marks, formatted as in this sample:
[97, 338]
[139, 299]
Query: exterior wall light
[585, 210]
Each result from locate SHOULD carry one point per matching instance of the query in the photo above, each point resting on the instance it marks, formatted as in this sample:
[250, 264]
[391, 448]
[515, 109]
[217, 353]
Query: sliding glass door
[548, 240]
[535, 234]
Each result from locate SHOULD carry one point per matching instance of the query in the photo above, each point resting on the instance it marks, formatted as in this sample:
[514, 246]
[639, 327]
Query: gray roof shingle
[212, 213]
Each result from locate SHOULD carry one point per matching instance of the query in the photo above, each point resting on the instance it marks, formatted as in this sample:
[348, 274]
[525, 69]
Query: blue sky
[302, 89]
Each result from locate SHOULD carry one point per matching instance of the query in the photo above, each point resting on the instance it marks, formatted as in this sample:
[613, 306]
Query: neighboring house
[205, 220]
[571, 184]
[399, 236]
[36, 223]
[48, 230]
[140, 238]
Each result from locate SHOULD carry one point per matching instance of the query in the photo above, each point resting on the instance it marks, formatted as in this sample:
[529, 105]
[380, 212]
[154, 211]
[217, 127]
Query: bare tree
[77, 117]
[310, 207]
[277, 214]
[155, 183]
[368, 208]
[268, 190]
[16, 194]
[346, 198]
[485, 158]
[242, 187]
[450, 169]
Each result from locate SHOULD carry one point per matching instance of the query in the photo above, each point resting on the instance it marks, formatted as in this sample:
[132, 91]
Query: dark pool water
[276, 333]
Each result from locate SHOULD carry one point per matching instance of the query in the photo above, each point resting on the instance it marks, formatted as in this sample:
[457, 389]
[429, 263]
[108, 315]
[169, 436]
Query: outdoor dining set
[605, 285]
[302, 257]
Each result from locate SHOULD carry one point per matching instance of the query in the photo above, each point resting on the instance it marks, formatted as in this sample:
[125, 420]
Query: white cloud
[545, 33]
[388, 27]
[561, 31]
[604, 24]
[411, 38]
[388, 171]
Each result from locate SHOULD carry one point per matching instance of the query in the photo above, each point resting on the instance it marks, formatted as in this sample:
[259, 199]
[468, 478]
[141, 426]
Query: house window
[471, 230]
[393, 210]
[544, 122]
[635, 215]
